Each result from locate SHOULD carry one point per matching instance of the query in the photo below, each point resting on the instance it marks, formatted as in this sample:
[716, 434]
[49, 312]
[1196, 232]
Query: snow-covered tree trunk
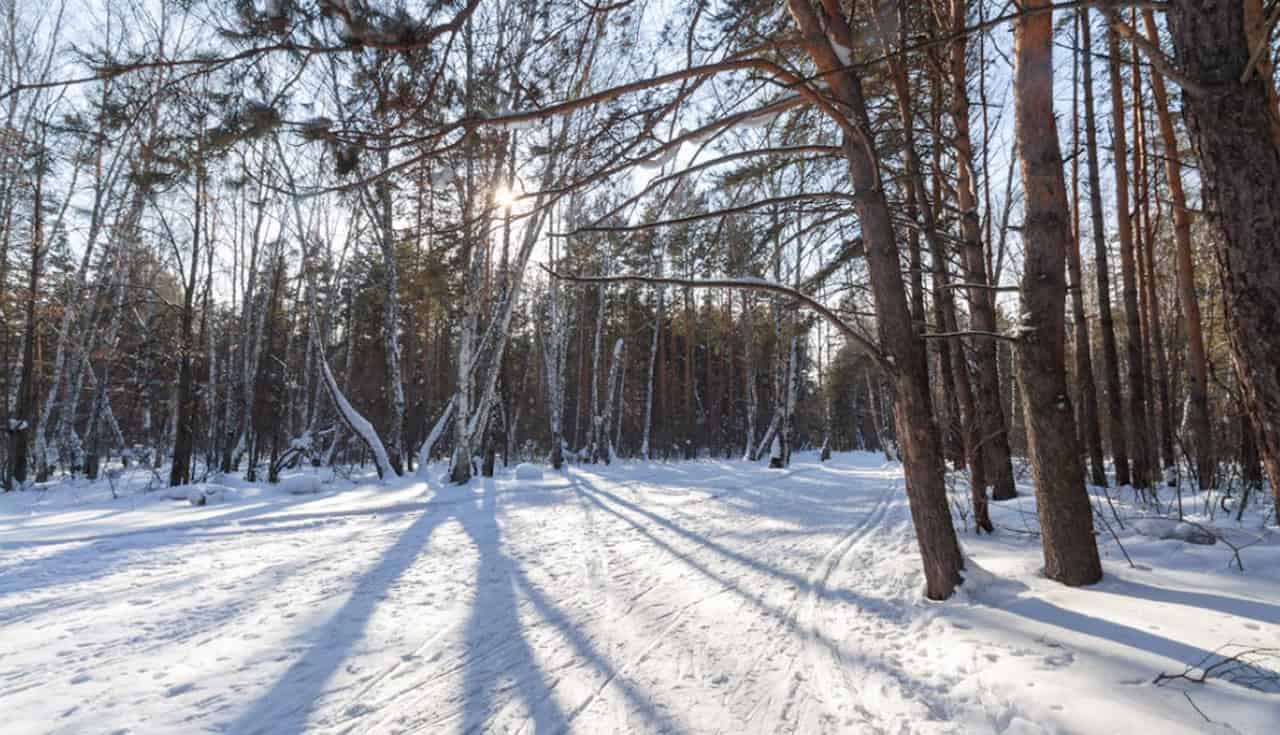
[555, 342]
[433, 436]
[653, 363]
[391, 319]
[357, 423]
[594, 440]
[753, 398]
[606, 423]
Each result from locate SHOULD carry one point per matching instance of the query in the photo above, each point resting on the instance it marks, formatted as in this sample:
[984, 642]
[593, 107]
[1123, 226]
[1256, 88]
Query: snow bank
[1168, 528]
[306, 484]
[527, 471]
[202, 493]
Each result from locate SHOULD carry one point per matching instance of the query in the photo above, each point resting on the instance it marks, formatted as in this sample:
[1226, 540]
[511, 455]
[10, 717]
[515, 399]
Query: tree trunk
[1087, 414]
[391, 322]
[1066, 516]
[1135, 357]
[1197, 365]
[749, 363]
[1146, 252]
[1231, 123]
[185, 401]
[989, 418]
[1110, 354]
[913, 413]
[20, 427]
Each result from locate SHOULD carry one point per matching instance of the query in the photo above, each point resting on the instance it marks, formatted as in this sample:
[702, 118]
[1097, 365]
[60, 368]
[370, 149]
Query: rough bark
[1066, 516]
[913, 413]
[1231, 117]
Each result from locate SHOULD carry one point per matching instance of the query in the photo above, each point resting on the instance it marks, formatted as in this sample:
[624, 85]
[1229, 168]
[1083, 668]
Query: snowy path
[700, 597]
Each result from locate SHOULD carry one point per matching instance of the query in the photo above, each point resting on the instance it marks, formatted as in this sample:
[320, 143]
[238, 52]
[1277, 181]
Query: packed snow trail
[697, 597]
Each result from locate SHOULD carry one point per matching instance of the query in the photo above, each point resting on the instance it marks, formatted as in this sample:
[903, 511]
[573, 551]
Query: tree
[1066, 516]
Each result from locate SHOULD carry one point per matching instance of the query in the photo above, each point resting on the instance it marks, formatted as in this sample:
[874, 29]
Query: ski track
[704, 597]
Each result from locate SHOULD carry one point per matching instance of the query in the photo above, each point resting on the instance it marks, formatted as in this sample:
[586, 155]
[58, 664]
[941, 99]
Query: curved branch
[740, 284]
[808, 196]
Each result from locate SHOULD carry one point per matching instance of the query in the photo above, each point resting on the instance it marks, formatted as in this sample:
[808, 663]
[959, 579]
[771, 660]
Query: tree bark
[1066, 516]
[1135, 357]
[1231, 117]
[1087, 414]
[913, 413]
[1197, 364]
[1110, 353]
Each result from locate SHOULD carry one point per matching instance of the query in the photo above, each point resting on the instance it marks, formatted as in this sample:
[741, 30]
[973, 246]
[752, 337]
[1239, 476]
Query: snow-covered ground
[698, 597]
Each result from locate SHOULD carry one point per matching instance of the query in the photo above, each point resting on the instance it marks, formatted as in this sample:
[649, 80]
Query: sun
[505, 196]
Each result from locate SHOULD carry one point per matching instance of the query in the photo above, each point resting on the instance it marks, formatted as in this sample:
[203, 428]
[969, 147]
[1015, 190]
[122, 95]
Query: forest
[1023, 248]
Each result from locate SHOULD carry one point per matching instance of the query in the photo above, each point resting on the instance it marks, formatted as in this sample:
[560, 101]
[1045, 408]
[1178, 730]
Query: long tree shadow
[77, 563]
[498, 657]
[1239, 606]
[286, 707]
[597, 496]
[495, 646]
[495, 622]
[1047, 613]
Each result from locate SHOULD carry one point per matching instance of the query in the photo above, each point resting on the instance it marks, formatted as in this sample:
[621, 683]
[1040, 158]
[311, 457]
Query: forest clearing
[764, 366]
[684, 597]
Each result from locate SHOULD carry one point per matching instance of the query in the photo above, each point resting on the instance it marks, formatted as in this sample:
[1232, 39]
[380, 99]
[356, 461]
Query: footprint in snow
[179, 689]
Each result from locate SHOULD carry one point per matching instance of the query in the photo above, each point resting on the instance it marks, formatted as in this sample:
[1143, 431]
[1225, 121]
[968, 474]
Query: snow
[527, 471]
[659, 159]
[691, 597]
[357, 422]
[763, 120]
[844, 53]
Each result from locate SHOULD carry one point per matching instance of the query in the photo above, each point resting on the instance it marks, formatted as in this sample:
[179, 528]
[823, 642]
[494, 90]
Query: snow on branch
[358, 424]
[803, 197]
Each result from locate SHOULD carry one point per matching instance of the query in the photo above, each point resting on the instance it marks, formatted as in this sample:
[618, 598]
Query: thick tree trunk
[1197, 364]
[913, 413]
[1066, 516]
[1110, 354]
[1232, 123]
